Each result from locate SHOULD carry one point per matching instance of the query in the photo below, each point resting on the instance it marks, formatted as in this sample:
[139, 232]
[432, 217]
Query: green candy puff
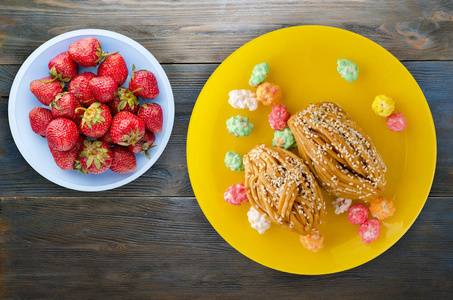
[284, 139]
[259, 73]
[234, 161]
[347, 69]
[239, 126]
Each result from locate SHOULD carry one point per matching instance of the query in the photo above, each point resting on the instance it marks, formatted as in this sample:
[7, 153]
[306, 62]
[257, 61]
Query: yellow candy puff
[312, 241]
[383, 105]
[268, 93]
[381, 208]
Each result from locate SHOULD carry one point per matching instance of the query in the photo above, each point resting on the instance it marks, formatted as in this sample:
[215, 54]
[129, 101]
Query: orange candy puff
[268, 93]
[382, 208]
[312, 241]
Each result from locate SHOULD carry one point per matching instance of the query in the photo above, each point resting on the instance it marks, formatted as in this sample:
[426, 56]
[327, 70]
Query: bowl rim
[91, 32]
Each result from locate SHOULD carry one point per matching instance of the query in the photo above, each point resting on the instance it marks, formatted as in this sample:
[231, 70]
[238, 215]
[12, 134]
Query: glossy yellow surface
[303, 61]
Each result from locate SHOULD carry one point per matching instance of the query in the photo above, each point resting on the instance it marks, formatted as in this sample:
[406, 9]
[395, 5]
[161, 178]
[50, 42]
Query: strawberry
[96, 120]
[65, 106]
[144, 144]
[123, 160]
[40, 118]
[124, 100]
[151, 114]
[103, 88]
[62, 67]
[143, 83]
[107, 138]
[62, 134]
[87, 52]
[66, 160]
[115, 67]
[127, 128]
[80, 87]
[46, 89]
[95, 157]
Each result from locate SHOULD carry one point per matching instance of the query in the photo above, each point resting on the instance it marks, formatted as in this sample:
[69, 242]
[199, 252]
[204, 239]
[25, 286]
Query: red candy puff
[236, 194]
[370, 230]
[396, 122]
[278, 117]
[358, 214]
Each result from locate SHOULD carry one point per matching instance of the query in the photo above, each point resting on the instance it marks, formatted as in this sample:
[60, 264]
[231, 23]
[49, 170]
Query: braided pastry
[282, 188]
[342, 157]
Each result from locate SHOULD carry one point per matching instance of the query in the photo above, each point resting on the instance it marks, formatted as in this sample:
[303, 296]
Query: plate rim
[387, 246]
[95, 32]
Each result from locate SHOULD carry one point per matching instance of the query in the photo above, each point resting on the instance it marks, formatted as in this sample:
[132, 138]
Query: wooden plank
[169, 175]
[206, 31]
[153, 247]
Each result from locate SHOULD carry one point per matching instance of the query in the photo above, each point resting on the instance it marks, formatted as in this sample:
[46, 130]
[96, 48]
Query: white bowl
[34, 148]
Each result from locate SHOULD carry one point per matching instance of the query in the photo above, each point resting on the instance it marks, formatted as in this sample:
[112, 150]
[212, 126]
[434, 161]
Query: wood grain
[169, 177]
[207, 31]
[145, 247]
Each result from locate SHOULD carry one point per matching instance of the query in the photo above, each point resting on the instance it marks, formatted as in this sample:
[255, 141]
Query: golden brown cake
[281, 187]
[340, 155]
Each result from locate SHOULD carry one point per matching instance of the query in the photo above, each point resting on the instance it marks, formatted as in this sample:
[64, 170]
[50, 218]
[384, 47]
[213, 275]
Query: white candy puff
[341, 205]
[243, 99]
[258, 221]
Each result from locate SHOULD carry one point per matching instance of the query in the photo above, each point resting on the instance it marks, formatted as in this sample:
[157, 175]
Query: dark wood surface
[149, 239]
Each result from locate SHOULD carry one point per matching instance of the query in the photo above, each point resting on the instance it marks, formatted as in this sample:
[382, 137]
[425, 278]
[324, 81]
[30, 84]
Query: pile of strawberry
[94, 123]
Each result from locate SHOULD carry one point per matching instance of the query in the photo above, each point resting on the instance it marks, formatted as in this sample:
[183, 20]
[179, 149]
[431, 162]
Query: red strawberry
[151, 114]
[127, 128]
[80, 87]
[107, 138]
[66, 160]
[62, 134]
[123, 160]
[95, 157]
[87, 52]
[65, 106]
[62, 67]
[40, 118]
[46, 89]
[115, 67]
[144, 144]
[143, 83]
[96, 120]
[103, 88]
[124, 100]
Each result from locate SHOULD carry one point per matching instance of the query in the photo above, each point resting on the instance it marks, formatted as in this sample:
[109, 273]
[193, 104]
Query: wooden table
[149, 239]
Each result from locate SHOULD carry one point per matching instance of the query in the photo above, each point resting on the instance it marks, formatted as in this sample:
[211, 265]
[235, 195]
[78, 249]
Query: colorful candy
[396, 122]
[284, 139]
[279, 116]
[358, 214]
[341, 205]
[258, 221]
[268, 93]
[369, 230]
[347, 69]
[236, 194]
[312, 241]
[259, 73]
[243, 99]
[383, 105]
[382, 208]
[234, 161]
[239, 126]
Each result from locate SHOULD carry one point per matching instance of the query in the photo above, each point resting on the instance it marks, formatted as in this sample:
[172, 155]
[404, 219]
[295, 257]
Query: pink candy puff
[358, 214]
[396, 122]
[369, 230]
[236, 194]
[278, 117]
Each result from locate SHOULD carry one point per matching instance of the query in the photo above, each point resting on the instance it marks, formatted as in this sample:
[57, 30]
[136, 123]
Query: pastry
[340, 155]
[282, 188]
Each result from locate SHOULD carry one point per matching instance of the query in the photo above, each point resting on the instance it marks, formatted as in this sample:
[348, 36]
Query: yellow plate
[303, 61]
